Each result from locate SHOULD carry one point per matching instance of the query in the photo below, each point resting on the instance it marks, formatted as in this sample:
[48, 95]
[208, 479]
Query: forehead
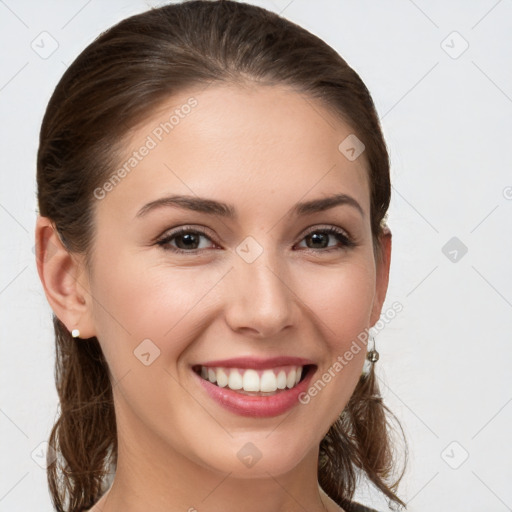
[238, 142]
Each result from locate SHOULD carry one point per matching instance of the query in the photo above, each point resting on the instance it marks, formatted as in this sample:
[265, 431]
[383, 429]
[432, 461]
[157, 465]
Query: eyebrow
[212, 207]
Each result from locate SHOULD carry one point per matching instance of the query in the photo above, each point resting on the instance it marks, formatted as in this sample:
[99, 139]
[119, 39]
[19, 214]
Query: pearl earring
[372, 357]
[75, 333]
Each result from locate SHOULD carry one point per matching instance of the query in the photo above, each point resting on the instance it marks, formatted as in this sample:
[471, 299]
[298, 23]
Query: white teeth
[268, 382]
[222, 378]
[290, 381]
[281, 380]
[251, 380]
[265, 381]
[235, 380]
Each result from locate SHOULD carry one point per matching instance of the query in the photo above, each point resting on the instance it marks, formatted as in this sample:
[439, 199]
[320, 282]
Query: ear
[64, 279]
[382, 275]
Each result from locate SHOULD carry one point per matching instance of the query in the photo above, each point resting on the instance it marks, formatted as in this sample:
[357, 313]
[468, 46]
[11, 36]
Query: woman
[212, 186]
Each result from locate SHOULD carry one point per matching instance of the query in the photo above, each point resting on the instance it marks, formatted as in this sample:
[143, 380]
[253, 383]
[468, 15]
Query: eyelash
[340, 234]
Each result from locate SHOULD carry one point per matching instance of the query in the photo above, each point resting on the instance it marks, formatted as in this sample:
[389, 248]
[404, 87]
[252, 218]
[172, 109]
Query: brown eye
[184, 240]
[319, 240]
[187, 241]
[324, 238]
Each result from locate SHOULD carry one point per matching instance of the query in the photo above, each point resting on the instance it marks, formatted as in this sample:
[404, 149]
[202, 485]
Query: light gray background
[447, 116]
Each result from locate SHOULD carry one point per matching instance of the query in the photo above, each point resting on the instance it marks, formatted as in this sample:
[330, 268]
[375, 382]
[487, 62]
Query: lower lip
[257, 406]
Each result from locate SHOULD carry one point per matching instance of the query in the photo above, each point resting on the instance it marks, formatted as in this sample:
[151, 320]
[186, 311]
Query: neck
[143, 484]
[151, 475]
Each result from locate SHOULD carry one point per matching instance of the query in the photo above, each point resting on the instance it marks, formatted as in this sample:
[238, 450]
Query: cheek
[341, 303]
[134, 303]
[341, 299]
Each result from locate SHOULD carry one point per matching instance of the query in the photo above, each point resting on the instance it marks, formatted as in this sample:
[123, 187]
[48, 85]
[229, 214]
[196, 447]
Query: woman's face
[255, 288]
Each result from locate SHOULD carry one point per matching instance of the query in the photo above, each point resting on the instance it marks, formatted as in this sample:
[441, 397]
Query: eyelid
[322, 227]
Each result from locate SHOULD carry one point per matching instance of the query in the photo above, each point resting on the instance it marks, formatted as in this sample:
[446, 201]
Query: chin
[258, 455]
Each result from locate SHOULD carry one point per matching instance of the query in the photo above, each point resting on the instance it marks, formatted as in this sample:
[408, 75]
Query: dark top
[357, 507]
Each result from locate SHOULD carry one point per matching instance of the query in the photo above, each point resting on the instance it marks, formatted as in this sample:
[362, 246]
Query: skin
[261, 149]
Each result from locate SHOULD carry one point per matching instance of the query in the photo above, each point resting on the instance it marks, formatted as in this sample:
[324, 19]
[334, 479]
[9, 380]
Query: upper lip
[257, 363]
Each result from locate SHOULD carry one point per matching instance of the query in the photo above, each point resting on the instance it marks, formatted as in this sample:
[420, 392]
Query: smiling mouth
[252, 382]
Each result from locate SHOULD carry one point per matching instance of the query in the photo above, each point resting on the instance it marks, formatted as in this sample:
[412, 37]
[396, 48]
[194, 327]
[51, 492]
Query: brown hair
[115, 83]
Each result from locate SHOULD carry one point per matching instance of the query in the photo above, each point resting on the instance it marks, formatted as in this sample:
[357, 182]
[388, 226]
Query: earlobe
[64, 279]
[382, 275]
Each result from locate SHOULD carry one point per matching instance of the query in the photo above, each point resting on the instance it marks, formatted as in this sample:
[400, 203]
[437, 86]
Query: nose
[261, 298]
